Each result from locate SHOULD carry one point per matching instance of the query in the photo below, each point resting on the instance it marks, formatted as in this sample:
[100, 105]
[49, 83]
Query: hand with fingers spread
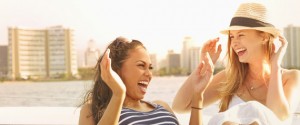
[203, 75]
[111, 78]
[213, 48]
[200, 79]
[277, 56]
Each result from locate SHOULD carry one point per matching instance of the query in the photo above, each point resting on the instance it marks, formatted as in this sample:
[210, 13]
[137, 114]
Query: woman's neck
[129, 102]
[137, 105]
[259, 71]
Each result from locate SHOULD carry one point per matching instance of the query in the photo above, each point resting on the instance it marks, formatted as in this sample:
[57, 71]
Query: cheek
[129, 77]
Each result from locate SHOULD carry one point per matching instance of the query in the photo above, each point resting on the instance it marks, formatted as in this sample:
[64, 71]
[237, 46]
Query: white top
[235, 101]
[242, 112]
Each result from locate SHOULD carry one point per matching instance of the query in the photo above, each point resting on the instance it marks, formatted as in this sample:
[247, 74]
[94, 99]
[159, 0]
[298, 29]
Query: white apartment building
[41, 53]
[195, 57]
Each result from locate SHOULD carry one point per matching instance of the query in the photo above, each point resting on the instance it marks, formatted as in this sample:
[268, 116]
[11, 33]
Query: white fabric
[235, 101]
[241, 112]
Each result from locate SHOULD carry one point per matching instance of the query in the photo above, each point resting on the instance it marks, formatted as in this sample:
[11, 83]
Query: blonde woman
[253, 73]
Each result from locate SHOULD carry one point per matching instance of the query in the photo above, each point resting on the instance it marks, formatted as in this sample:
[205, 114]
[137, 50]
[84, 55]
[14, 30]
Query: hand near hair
[277, 56]
[111, 78]
[213, 48]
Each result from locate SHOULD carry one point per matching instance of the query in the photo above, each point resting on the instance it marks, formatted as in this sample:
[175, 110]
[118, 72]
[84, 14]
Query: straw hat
[251, 16]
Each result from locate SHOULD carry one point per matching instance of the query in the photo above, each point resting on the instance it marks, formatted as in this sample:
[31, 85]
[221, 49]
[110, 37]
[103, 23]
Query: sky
[160, 24]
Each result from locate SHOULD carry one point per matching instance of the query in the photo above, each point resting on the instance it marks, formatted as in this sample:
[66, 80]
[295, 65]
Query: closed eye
[151, 67]
[240, 35]
[141, 65]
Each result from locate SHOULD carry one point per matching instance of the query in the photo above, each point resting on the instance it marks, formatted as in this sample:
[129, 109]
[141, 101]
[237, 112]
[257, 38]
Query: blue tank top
[159, 116]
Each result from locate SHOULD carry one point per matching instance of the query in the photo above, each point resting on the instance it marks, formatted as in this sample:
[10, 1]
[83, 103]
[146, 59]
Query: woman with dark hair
[122, 77]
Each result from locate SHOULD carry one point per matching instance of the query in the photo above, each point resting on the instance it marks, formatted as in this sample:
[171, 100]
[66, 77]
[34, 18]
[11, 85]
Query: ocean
[70, 94]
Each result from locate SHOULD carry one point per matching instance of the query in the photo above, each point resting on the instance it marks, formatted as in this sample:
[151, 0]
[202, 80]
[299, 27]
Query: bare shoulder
[86, 108]
[86, 116]
[291, 76]
[164, 104]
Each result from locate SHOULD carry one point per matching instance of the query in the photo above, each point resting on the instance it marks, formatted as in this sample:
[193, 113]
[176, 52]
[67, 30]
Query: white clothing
[244, 113]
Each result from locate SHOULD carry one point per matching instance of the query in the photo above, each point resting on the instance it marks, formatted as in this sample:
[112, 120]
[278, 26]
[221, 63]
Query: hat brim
[275, 32]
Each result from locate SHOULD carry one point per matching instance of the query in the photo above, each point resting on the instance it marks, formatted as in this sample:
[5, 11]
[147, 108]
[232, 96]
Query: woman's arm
[276, 99]
[183, 99]
[85, 117]
[281, 96]
[112, 79]
[112, 112]
[205, 73]
[110, 116]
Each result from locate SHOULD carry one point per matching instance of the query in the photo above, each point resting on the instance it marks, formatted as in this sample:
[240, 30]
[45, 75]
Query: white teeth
[239, 50]
[144, 82]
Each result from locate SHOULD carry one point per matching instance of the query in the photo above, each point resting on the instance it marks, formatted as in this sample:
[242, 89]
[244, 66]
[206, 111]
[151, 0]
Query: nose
[148, 72]
[234, 42]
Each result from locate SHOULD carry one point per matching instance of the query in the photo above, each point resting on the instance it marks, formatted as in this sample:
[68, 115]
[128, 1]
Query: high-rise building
[292, 55]
[195, 57]
[173, 63]
[91, 54]
[186, 56]
[3, 61]
[41, 53]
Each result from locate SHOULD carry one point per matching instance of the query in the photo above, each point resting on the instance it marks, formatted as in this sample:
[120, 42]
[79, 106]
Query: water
[50, 94]
[71, 93]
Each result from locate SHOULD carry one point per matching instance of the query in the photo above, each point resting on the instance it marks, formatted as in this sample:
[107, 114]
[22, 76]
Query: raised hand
[213, 48]
[203, 75]
[111, 78]
[277, 56]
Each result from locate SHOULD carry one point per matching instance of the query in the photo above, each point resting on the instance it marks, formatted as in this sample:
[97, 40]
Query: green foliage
[86, 73]
[162, 71]
[175, 71]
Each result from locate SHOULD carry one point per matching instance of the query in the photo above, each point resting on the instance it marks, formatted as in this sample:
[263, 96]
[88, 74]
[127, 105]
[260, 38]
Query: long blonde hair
[236, 71]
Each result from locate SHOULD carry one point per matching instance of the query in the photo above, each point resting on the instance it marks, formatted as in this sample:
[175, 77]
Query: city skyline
[160, 25]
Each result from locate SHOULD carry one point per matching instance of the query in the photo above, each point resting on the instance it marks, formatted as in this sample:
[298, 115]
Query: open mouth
[241, 51]
[143, 86]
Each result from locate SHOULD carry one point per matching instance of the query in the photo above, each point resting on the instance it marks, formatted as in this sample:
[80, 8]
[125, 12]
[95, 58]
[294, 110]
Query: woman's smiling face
[136, 73]
[247, 44]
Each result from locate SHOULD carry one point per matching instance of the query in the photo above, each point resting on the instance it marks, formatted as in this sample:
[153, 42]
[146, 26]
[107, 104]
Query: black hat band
[248, 22]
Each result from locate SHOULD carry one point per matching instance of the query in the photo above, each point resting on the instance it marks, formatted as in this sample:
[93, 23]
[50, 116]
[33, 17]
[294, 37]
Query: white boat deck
[39, 115]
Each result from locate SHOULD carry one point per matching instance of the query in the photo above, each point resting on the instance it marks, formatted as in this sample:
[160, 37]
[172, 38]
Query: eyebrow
[240, 31]
[230, 33]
